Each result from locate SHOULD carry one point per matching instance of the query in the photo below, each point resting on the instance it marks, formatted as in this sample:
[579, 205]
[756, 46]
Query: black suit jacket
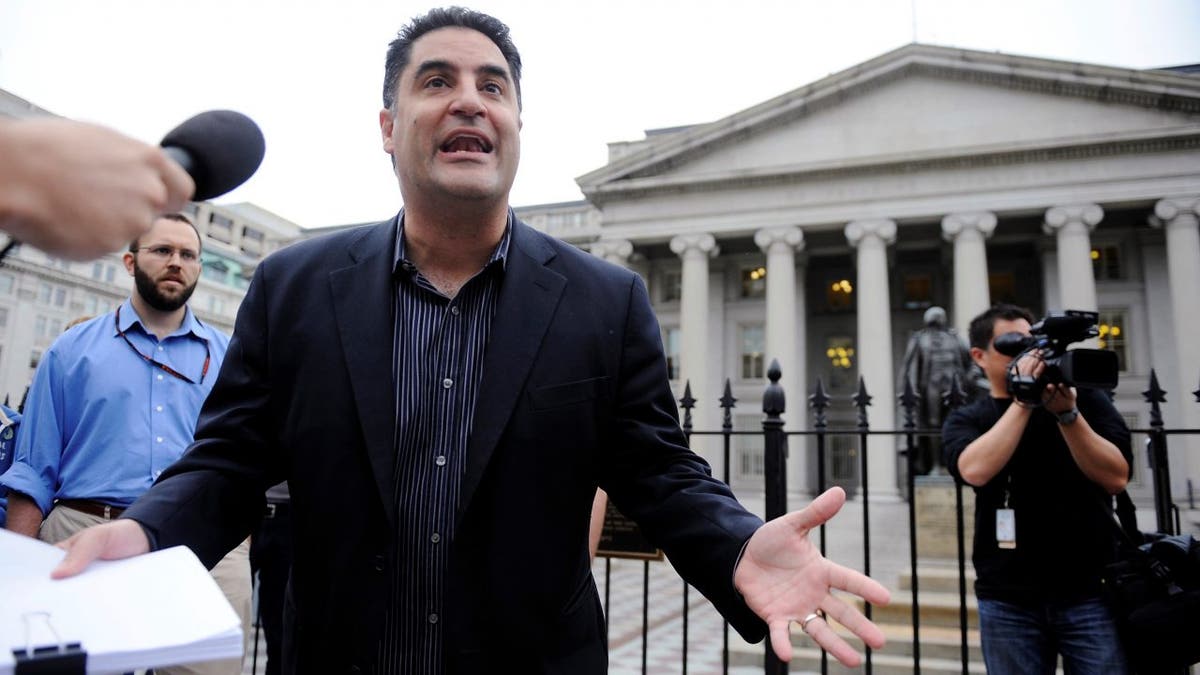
[574, 394]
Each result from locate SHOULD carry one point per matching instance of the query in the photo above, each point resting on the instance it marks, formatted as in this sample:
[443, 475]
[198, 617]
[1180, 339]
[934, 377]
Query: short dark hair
[400, 49]
[178, 217]
[982, 326]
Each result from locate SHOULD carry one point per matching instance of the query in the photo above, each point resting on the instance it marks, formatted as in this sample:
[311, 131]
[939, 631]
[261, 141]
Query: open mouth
[466, 143]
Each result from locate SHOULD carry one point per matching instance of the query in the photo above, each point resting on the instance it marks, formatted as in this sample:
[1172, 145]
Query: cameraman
[1043, 478]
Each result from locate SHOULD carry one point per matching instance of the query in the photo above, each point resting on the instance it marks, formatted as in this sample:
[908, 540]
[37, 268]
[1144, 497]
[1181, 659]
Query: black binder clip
[62, 658]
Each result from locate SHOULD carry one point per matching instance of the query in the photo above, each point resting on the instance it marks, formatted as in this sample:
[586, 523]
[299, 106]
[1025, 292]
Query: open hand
[784, 578]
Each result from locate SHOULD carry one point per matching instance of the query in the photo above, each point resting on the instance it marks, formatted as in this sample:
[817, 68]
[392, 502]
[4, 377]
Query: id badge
[1006, 528]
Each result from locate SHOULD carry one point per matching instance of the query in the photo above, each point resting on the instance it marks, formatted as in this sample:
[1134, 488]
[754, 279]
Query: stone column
[968, 232]
[615, 251]
[875, 363]
[694, 357]
[784, 341]
[1072, 226]
[1181, 220]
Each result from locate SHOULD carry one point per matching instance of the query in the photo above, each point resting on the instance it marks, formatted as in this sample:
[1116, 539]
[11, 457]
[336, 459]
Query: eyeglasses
[165, 253]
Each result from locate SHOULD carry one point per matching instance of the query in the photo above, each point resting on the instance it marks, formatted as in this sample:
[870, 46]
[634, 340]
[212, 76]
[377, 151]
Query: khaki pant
[232, 574]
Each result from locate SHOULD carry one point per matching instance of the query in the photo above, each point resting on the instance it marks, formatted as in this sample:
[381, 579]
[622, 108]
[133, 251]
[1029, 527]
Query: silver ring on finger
[806, 620]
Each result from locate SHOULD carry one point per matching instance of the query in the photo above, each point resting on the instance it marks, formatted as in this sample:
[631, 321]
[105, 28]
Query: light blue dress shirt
[101, 422]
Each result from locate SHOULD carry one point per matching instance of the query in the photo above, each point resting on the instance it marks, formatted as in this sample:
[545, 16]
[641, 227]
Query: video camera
[1050, 337]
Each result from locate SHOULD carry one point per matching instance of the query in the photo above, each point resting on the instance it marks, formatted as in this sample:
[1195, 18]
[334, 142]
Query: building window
[60, 297]
[97, 270]
[34, 358]
[110, 273]
[39, 326]
[754, 282]
[671, 347]
[918, 291]
[3, 317]
[839, 295]
[839, 349]
[1106, 263]
[841, 352]
[252, 241]
[7, 282]
[753, 344]
[221, 228]
[216, 269]
[672, 285]
[1112, 336]
[1002, 287]
[45, 292]
[56, 326]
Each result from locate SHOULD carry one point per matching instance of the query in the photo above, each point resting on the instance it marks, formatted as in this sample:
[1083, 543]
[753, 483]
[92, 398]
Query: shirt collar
[191, 324]
[499, 255]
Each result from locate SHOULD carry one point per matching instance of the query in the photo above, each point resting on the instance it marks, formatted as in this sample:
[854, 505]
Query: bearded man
[114, 402]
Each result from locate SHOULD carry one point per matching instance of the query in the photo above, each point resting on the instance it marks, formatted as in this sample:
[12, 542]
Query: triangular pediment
[915, 103]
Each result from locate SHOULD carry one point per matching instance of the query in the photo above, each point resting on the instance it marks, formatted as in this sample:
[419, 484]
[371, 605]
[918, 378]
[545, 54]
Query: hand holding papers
[152, 610]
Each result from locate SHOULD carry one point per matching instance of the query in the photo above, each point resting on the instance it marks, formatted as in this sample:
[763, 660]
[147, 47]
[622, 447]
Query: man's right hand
[110, 541]
[78, 190]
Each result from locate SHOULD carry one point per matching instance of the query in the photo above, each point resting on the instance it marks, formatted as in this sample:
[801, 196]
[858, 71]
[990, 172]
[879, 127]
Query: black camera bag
[1153, 590]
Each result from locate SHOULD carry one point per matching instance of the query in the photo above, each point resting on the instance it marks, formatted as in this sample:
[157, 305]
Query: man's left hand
[784, 578]
[1058, 398]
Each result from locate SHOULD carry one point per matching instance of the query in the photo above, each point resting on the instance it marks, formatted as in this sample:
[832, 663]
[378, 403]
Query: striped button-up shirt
[438, 348]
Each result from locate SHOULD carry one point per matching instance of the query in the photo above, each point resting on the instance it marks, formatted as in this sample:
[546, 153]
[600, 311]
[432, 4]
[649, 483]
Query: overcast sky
[310, 71]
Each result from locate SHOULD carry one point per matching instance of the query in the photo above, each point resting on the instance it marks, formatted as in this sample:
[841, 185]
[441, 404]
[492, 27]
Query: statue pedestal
[937, 537]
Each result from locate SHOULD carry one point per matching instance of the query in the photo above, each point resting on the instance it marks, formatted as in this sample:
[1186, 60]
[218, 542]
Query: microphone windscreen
[225, 148]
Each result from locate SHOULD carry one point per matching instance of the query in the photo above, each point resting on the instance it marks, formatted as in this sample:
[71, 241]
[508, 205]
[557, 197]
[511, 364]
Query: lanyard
[158, 364]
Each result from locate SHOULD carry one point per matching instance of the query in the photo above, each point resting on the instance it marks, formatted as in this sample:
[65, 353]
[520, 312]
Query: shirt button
[446, 383]
[435, 538]
[440, 461]
[160, 377]
[454, 310]
[433, 617]
[159, 439]
[158, 408]
[160, 348]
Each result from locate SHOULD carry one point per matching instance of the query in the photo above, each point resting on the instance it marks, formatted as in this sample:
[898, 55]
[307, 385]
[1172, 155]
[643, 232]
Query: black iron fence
[774, 496]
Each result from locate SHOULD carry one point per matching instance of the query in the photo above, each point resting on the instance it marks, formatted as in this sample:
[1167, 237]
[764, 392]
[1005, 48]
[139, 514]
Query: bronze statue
[935, 354]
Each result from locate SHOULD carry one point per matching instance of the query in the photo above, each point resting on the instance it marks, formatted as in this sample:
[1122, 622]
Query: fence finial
[727, 404]
[861, 400]
[774, 401]
[955, 396]
[687, 403]
[1154, 396]
[819, 402]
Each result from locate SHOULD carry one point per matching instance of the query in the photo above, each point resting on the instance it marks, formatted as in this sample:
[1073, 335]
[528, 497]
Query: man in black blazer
[444, 392]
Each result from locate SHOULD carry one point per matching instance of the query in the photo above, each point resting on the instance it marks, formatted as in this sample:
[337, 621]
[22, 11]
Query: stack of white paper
[152, 610]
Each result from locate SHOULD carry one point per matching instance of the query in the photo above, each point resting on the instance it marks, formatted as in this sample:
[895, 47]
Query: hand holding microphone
[79, 190]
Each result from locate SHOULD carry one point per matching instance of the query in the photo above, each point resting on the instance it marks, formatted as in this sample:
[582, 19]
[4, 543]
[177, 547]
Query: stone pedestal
[937, 538]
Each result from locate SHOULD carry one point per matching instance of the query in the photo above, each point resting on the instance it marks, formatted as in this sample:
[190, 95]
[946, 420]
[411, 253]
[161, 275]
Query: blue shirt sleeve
[34, 471]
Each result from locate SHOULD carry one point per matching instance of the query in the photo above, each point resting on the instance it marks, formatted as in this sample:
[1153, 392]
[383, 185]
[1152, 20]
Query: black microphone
[219, 149]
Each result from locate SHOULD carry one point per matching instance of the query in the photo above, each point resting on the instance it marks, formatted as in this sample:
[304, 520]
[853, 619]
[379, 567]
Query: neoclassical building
[816, 227]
